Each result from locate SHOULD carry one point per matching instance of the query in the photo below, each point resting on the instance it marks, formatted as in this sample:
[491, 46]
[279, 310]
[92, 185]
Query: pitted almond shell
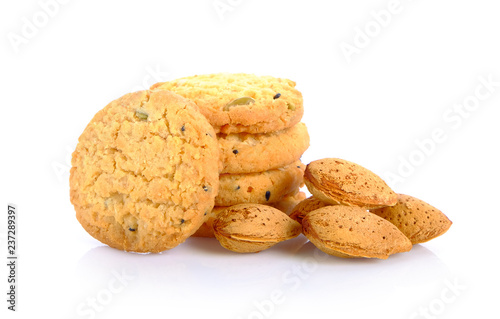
[419, 221]
[345, 231]
[306, 206]
[253, 227]
[337, 181]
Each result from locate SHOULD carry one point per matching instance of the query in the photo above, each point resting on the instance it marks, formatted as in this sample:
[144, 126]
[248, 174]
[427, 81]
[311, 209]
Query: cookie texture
[285, 205]
[246, 228]
[144, 172]
[240, 102]
[337, 181]
[419, 221]
[348, 232]
[306, 206]
[260, 188]
[248, 153]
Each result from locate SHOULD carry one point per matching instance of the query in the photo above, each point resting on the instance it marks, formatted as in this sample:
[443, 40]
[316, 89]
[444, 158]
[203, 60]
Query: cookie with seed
[419, 221]
[306, 206]
[240, 102]
[285, 205]
[349, 232]
[247, 228]
[144, 172]
[248, 153]
[337, 181]
[260, 188]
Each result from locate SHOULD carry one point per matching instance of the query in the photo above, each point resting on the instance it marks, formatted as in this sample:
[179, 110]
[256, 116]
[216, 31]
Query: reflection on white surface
[272, 283]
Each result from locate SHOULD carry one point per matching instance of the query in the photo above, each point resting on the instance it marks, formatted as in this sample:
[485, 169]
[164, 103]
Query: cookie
[285, 205]
[349, 232]
[235, 103]
[419, 221]
[260, 188]
[144, 172]
[248, 153]
[306, 206]
[247, 228]
[337, 181]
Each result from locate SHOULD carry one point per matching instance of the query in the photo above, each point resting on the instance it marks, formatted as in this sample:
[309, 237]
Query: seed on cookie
[245, 100]
[235, 152]
[268, 195]
[141, 114]
[277, 96]
[419, 221]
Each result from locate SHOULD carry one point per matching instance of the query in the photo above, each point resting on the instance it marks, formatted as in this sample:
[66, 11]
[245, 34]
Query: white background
[394, 91]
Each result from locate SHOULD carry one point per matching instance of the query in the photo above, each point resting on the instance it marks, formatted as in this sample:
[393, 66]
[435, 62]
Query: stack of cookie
[261, 139]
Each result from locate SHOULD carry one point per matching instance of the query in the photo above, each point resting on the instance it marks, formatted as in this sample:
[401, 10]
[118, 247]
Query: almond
[419, 221]
[246, 228]
[337, 181]
[306, 206]
[347, 232]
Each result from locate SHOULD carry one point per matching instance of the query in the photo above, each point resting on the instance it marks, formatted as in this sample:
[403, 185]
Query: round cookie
[285, 205]
[260, 188]
[240, 102]
[247, 153]
[144, 172]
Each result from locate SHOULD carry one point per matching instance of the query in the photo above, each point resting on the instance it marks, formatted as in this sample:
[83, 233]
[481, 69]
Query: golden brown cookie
[260, 188]
[306, 206]
[144, 172]
[337, 181]
[419, 221]
[348, 232]
[236, 103]
[285, 205]
[247, 228]
[249, 153]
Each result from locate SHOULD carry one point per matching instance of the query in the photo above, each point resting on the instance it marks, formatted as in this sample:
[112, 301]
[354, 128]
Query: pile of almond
[352, 213]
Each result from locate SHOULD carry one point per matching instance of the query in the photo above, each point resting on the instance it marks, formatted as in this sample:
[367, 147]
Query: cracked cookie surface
[144, 172]
[240, 102]
[247, 153]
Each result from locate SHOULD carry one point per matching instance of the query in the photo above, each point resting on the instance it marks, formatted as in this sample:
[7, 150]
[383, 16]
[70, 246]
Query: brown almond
[246, 228]
[345, 231]
[337, 181]
[306, 206]
[419, 221]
